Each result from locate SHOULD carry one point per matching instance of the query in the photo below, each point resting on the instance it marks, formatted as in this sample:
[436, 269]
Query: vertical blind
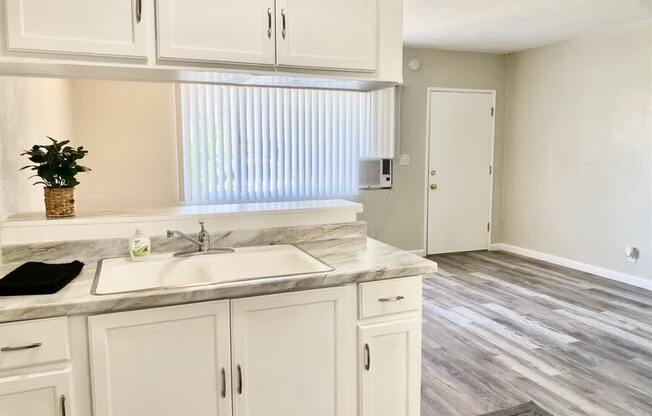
[379, 141]
[251, 144]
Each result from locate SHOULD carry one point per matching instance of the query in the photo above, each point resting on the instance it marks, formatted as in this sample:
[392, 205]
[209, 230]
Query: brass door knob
[433, 186]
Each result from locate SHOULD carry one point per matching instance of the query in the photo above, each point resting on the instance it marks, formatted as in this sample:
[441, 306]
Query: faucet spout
[203, 240]
[179, 235]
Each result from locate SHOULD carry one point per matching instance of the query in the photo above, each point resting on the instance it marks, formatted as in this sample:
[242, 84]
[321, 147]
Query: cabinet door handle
[21, 347]
[392, 299]
[63, 405]
[367, 352]
[239, 379]
[269, 23]
[223, 392]
[139, 10]
[284, 23]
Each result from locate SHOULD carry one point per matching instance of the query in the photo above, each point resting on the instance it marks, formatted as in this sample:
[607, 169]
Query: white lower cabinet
[288, 354]
[42, 394]
[390, 376]
[294, 354]
[166, 361]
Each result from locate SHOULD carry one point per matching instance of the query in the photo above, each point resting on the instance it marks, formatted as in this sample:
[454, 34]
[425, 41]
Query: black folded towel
[34, 278]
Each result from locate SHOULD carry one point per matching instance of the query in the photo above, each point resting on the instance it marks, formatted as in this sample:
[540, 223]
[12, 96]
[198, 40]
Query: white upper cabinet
[166, 362]
[294, 354]
[327, 34]
[228, 31]
[82, 27]
[166, 40]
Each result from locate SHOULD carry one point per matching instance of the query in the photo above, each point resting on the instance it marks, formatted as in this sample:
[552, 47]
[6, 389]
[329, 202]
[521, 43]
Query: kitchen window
[254, 144]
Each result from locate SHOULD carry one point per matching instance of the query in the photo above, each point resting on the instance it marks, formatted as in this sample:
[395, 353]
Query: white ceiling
[512, 25]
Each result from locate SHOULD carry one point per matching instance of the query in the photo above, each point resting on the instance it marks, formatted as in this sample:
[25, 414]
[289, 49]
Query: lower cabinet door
[46, 394]
[166, 361]
[294, 354]
[390, 369]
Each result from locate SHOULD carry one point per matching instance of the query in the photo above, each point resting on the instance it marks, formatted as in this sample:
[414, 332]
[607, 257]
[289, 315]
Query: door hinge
[492, 111]
[488, 226]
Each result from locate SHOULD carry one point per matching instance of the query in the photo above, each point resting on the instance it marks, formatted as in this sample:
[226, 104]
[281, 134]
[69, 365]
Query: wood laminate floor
[500, 329]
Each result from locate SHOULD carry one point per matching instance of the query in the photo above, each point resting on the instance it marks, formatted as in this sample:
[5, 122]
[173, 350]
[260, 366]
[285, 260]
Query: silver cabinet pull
[21, 347]
[223, 383]
[392, 299]
[239, 379]
[139, 10]
[269, 23]
[367, 353]
[284, 31]
[63, 405]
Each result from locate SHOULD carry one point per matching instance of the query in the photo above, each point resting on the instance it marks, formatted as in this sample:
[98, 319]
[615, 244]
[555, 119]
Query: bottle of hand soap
[139, 245]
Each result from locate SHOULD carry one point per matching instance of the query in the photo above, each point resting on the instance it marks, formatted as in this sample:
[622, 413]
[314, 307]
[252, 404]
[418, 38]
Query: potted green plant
[56, 166]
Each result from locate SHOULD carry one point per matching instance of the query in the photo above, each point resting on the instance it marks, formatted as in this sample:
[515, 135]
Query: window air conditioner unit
[376, 174]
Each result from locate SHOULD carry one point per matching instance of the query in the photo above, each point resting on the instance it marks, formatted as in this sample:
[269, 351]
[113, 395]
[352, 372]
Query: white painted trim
[427, 157]
[573, 264]
[421, 252]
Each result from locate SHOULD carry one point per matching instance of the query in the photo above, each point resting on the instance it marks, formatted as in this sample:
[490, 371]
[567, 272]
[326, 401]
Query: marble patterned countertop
[354, 260]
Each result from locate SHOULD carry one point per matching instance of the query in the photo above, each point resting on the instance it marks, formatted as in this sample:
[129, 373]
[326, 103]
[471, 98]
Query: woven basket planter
[59, 202]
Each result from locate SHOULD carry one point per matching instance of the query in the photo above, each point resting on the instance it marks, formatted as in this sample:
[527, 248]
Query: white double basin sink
[121, 275]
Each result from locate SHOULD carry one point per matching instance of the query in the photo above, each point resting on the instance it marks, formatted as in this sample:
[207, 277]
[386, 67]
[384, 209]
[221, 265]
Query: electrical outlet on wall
[632, 254]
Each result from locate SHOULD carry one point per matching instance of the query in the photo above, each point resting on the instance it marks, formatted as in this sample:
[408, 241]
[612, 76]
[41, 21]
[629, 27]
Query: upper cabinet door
[327, 34]
[165, 362]
[293, 354]
[89, 27]
[228, 31]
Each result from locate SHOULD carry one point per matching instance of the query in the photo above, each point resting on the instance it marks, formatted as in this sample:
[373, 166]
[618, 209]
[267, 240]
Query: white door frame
[427, 158]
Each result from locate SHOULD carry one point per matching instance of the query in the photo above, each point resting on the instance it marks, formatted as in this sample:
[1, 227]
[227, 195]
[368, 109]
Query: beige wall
[30, 110]
[577, 159]
[129, 129]
[403, 207]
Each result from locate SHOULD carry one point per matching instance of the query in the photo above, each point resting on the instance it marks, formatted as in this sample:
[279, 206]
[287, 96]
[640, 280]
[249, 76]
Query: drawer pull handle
[269, 23]
[21, 347]
[392, 299]
[367, 351]
[284, 24]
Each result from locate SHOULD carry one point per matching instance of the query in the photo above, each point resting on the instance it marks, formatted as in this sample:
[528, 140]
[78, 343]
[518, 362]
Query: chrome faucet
[203, 242]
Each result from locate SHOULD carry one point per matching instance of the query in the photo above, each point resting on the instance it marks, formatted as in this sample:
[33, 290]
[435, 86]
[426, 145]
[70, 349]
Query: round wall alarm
[414, 65]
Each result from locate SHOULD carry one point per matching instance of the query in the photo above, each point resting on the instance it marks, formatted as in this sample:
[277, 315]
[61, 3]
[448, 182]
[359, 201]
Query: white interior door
[217, 30]
[461, 125]
[294, 354]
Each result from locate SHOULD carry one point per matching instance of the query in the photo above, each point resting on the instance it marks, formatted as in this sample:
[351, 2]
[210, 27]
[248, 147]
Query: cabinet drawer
[390, 296]
[31, 343]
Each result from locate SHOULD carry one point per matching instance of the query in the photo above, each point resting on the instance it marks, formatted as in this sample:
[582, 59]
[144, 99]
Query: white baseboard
[420, 252]
[584, 267]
